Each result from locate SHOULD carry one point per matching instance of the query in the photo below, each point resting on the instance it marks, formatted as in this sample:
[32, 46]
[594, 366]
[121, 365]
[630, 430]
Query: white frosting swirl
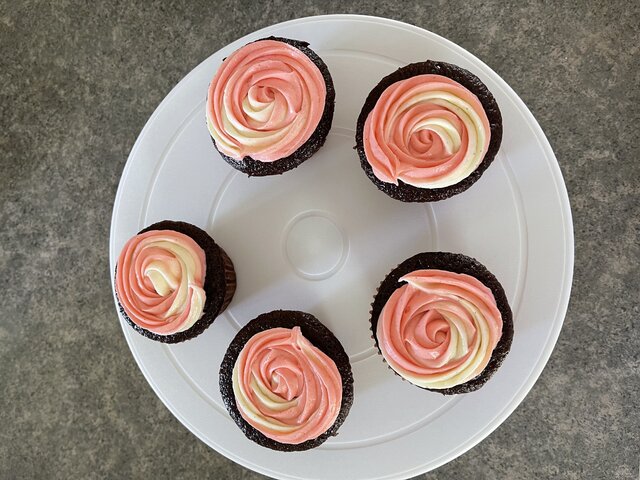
[160, 280]
[265, 101]
[285, 387]
[440, 329]
[428, 131]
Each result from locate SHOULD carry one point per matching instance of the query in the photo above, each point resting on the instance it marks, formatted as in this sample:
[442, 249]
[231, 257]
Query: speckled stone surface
[77, 83]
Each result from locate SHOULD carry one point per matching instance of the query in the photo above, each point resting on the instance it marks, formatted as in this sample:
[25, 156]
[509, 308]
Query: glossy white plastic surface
[321, 238]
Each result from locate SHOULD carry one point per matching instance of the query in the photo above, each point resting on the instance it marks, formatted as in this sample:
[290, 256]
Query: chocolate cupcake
[172, 280]
[428, 131]
[270, 106]
[266, 386]
[442, 322]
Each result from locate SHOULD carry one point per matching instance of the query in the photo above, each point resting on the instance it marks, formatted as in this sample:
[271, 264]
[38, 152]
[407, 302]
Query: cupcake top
[428, 131]
[265, 101]
[439, 329]
[159, 281]
[285, 387]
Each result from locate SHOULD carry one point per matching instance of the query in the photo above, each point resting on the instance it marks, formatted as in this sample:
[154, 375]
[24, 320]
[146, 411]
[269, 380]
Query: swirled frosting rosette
[163, 285]
[266, 101]
[287, 392]
[441, 329]
[160, 281]
[428, 131]
[285, 387]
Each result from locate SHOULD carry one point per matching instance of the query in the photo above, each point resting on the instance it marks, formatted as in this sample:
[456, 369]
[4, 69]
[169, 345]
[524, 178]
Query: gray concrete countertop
[79, 80]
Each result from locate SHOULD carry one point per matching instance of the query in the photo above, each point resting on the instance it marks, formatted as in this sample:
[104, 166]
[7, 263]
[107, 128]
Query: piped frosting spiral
[439, 329]
[428, 131]
[159, 281]
[265, 101]
[285, 387]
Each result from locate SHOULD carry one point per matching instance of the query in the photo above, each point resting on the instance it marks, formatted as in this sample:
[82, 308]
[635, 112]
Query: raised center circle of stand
[314, 245]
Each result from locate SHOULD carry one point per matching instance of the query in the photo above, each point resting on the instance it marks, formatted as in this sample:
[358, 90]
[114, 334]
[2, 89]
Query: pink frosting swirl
[265, 101]
[285, 387]
[440, 329]
[159, 281]
[428, 131]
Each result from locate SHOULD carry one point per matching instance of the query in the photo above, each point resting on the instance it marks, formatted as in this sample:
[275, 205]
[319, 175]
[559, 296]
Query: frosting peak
[428, 131]
[285, 387]
[439, 329]
[265, 101]
[159, 281]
